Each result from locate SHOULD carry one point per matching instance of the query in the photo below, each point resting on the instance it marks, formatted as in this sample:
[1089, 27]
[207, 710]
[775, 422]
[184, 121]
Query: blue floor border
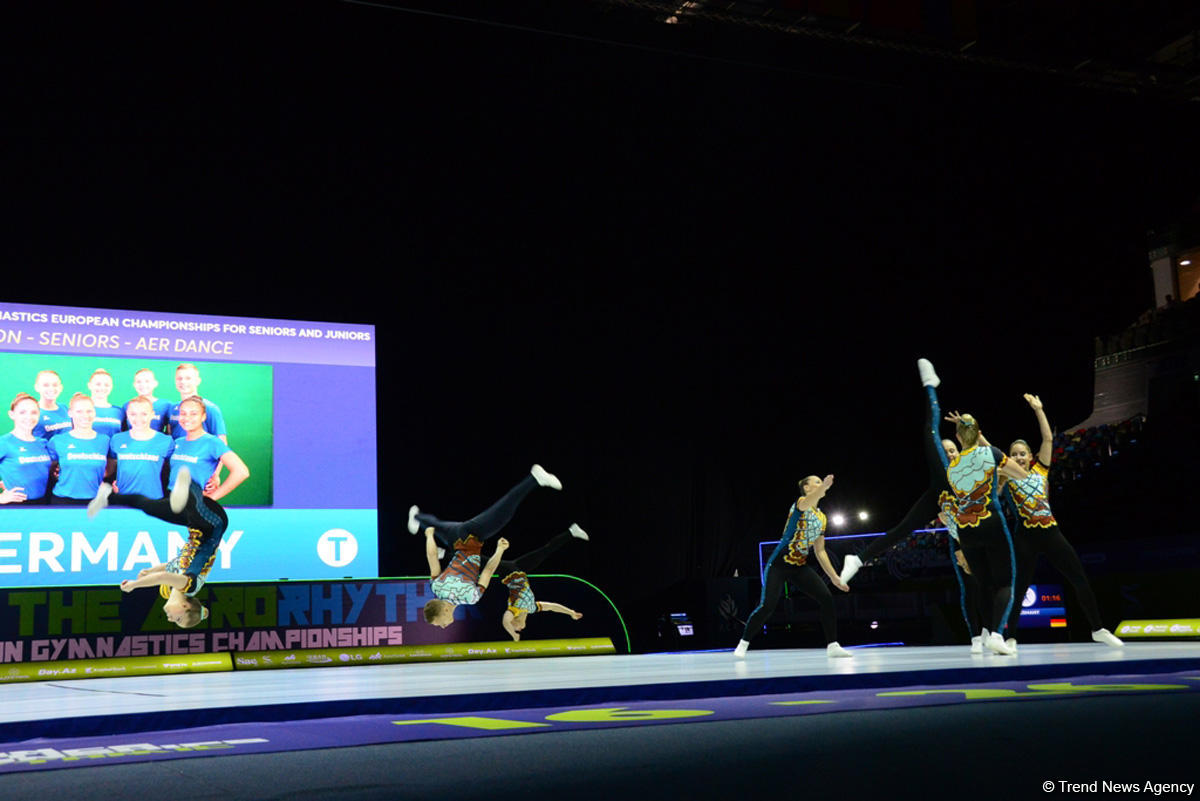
[573, 696]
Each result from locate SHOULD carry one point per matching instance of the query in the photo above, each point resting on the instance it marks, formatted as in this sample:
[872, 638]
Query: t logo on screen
[337, 547]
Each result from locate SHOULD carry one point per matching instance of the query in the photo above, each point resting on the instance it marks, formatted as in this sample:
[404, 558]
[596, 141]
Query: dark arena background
[682, 254]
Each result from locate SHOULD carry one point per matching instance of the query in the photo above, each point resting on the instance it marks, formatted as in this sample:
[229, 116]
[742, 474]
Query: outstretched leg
[530, 561]
[490, 521]
[926, 507]
[773, 583]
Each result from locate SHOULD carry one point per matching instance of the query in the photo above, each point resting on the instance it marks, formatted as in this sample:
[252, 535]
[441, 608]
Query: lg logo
[337, 547]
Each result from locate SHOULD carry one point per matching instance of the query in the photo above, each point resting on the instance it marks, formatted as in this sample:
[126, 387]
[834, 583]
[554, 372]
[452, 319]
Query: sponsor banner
[107, 668]
[46, 546]
[39, 625]
[1170, 627]
[260, 737]
[385, 655]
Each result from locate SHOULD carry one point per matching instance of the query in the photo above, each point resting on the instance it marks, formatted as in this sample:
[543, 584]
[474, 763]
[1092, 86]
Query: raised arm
[1046, 449]
[507, 623]
[549, 606]
[1013, 470]
[813, 498]
[485, 575]
[177, 581]
[435, 565]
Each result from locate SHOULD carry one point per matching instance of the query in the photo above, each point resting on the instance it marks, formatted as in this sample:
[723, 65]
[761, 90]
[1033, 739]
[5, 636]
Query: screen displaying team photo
[127, 399]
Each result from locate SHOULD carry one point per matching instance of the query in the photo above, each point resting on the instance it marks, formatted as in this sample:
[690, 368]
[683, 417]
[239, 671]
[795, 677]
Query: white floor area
[133, 695]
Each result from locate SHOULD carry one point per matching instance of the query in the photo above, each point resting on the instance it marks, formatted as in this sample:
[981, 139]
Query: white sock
[180, 490]
[1108, 638]
[545, 478]
[929, 377]
[576, 531]
[740, 651]
[850, 566]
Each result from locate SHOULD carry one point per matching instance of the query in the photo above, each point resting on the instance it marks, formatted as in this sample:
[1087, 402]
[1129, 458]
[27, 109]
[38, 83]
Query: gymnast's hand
[501, 545]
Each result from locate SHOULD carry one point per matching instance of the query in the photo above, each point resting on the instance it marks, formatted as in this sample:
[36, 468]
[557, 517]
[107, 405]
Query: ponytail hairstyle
[21, 396]
[967, 431]
[79, 396]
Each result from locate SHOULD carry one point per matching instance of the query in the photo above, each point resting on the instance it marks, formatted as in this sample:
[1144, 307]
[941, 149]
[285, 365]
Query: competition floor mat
[103, 707]
[263, 737]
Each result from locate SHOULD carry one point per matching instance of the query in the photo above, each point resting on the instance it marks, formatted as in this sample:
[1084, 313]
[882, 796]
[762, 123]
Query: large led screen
[295, 401]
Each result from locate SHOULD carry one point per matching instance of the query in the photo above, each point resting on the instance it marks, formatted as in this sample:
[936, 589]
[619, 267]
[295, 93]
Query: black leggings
[483, 525]
[926, 507]
[530, 561]
[991, 558]
[201, 513]
[803, 578]
[1029, 544]
[969, 599]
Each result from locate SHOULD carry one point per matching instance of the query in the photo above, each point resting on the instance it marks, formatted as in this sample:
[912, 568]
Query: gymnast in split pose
[1037, 532]
[927, 506]
[936, 504]
[465, 577]
[803, 536]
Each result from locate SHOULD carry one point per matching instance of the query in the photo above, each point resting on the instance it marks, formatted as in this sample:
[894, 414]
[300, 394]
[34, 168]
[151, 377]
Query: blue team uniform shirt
[201, 455]
[214, 421]
[81, 464]
[161, 419]
[140, 462]
[52, 423]
[25, 464]
[109, 420]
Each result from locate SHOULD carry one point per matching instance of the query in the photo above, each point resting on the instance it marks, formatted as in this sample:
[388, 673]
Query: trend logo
[337, 547]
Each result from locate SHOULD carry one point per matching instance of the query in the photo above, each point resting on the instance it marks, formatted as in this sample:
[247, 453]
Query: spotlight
[863, 515]
[837, 519]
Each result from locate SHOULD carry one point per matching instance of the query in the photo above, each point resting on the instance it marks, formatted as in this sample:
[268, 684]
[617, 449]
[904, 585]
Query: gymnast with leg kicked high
[465, 578]
[803, 535]
[926, 507]
[1037, 532]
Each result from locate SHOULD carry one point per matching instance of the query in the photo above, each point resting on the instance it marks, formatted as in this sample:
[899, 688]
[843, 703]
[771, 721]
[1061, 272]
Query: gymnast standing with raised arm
[1037, 532]
[803, 536]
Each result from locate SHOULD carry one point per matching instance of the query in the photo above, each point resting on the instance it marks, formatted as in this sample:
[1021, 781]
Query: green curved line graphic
[617, 612]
